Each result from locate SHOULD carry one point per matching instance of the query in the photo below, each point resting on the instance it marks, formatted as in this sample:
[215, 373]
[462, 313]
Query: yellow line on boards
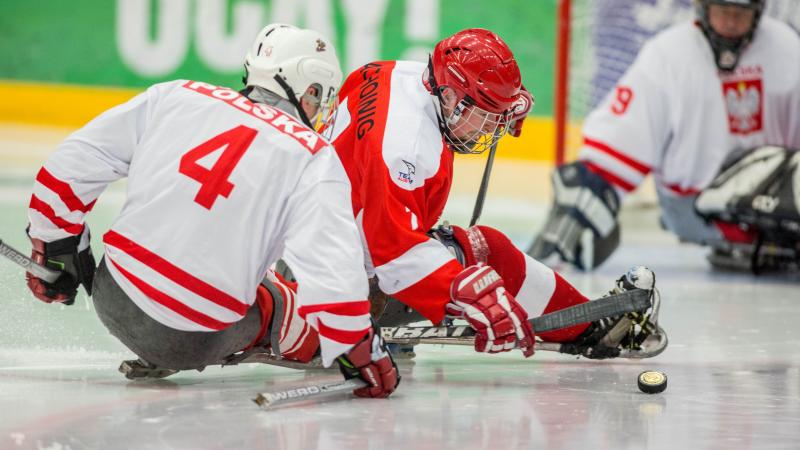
[536, 143]
[72, 106]
[57, 104]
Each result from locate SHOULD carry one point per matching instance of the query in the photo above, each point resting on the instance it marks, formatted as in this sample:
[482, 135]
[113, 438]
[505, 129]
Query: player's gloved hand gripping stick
[74, 261]
[39, 271]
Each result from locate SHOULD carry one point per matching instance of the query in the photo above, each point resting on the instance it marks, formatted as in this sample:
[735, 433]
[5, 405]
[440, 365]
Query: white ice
[733, 362]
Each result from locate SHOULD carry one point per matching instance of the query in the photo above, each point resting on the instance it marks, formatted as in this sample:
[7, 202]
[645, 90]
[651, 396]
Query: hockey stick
[634, 301]
[637, 300]
[613, 305]
[487, 172]
[45, 273]
[626, 302]
[267, 400]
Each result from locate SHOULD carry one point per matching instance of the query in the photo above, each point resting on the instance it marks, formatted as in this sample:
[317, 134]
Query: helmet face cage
[727, 51]
[326, 117]
[471, 129]
[480, 68]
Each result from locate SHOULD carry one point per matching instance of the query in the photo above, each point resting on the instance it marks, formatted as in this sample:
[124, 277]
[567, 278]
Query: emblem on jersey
[405, 177]
[744, 100]
[320, 45]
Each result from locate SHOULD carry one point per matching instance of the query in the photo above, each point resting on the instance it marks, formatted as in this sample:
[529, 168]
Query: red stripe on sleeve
[353, 309]
[342, 336]
[46, 210]
[174, 273]
[616, 154]
[683, 192]
[64, 191]
[610, 177]
[170, 303]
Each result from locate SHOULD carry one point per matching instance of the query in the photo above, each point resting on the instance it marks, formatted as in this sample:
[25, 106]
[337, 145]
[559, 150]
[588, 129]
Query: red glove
[501, 324]
[370, 361]
[519, 112]
[73, 257]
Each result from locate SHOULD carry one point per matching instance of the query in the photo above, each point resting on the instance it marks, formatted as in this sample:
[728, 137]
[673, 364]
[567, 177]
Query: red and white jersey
[218, 189]
[674, 114]
[387, 135]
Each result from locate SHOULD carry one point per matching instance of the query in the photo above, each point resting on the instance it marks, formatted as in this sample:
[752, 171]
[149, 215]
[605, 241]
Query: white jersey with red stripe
[674, 114]
[218, 189]
[387, 135]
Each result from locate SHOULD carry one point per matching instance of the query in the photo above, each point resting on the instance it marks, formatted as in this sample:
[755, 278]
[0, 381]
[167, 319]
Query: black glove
[73, 257]
[582, 227]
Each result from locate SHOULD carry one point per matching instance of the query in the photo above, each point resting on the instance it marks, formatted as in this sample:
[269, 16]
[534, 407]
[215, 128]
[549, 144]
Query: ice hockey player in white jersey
[220, 185]
[698, 96]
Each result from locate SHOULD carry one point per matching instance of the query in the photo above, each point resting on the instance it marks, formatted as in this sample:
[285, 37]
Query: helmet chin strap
[293, 100]
[727, 51]
[435, 91]
[444, 122]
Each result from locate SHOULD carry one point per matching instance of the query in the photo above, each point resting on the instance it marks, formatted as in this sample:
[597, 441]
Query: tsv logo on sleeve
[407, 176]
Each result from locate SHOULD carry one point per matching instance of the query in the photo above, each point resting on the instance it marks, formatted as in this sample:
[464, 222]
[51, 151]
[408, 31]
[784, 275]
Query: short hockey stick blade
[269, 400]
[45, 273]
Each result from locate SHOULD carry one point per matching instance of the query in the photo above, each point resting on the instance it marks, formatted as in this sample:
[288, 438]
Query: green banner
[134, 43]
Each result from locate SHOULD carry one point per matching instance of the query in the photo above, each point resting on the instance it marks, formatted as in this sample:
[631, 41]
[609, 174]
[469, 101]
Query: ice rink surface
[733, 362]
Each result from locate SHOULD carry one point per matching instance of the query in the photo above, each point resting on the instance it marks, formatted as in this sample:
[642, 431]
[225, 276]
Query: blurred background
[62, 62]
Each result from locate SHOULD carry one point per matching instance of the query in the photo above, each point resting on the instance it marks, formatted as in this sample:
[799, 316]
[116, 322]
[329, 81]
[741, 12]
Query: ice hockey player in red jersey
[220, 185]
[398, 127]
[699, 96]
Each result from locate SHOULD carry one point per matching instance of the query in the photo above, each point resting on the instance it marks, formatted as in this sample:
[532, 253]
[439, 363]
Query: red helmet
[477, 64]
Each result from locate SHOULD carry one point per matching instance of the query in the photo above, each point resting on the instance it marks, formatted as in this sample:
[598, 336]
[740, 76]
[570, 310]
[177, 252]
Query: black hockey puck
[652, 382]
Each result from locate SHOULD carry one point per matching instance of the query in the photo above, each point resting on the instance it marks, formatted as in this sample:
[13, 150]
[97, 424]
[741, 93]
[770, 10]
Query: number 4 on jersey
[214, 182]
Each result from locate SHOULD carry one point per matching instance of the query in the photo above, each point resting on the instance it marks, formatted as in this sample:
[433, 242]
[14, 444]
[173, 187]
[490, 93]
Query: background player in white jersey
[699, 95]
[397, 128]
[220, 185]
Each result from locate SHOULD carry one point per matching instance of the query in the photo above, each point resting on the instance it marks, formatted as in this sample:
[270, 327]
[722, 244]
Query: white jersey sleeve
[625, 133]
[323, 248]
[72, 179]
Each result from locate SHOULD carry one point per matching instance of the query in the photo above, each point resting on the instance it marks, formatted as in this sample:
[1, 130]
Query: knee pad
[582, 227]
[758, 192]
[281, 326]
[298, 340]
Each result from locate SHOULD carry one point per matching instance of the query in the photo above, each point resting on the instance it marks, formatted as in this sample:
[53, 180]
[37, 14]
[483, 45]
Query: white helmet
[299, 58]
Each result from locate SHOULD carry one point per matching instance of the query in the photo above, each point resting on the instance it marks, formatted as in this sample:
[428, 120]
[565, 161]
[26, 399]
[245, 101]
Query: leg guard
[582, 227]
[760, 193]
[297, 339]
